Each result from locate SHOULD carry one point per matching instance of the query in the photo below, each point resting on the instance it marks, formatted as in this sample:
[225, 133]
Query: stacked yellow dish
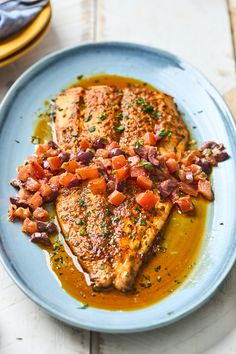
[18, 45]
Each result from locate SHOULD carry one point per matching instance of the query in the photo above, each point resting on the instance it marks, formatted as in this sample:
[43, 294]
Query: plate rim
[4, 106]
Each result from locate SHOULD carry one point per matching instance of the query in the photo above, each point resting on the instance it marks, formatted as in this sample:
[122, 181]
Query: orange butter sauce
[164, 271]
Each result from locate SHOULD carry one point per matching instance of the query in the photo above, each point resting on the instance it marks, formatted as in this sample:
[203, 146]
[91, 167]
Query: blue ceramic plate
[203, 108]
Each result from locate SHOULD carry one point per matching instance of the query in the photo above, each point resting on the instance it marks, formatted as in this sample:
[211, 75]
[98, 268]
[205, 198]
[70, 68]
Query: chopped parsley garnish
[163, 132]
[79, 77]
[148, 109]
[79, 222]
[82, 231]
[143, 223]
[145, 164]
[81, 202]
[87, 119]
[101, 266]
[126, 117]
[140, 100]
[102, 116]
[92, 129]
[119, 116]
[66, 237]
[138, 144]
[116, 218]
[74, 134]
[35, 140]
[156, 114]
[121, 128]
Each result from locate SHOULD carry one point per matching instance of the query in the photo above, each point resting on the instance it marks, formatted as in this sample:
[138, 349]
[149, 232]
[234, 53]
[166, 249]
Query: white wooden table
[203, 33]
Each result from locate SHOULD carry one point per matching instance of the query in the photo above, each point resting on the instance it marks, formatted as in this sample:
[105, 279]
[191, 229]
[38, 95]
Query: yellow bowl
[27, 39]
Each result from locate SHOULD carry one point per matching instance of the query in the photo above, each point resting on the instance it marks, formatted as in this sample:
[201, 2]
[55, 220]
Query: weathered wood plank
[198, 31]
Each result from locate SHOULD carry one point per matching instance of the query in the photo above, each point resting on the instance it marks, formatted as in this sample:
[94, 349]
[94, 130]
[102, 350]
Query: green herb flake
[35, 140]
[145, 164]
[79, 222]
[92, 129]
[148, 109]
[116, 219]
[81, 202]
[163, 132]
[101, 266]
[74, 134]
[87, 119]
[82, 231]
[143, 223]
[138, 143]
[140, 100]
[66, 237]
[119, 116]
[79, 77]
[102, 116]
[121, 128]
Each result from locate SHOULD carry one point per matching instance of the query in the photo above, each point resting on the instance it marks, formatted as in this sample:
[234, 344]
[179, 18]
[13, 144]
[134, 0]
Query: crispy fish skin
[68, 118]
[114, 240]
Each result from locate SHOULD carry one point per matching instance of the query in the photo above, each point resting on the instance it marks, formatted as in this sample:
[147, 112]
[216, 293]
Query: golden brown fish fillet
[111, 242]
[68, 118]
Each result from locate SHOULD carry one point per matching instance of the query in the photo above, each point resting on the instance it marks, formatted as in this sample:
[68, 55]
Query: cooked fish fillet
[112, 242]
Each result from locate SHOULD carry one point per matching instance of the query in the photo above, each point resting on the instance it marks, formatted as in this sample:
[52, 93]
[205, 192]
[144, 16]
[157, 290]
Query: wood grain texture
[200, 32]
[197, 30]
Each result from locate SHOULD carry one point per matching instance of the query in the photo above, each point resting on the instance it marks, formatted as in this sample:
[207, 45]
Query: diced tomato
[55, 181]
[116, 198]
[187, 189]
[97, 185]
[41, 214]
[190, 157]
[169, 155]
[35, 201]
[144, 182]
[52, 152]
[172, 165]
[38, 171]
[45, 190]
[136, 171]
[54, 162]
[134, 160]
[32, 185]
[29, 226]
[71, 166]
[24, 194]
[204, 187]
[147, 200]
[112, 145]
[41, 149]
[22, 213]
[121, 174]
[88, 172]
[149, 139]
[185, 204]
[66, 179]
[118, 161]
[24, 172]
[85, 144]
[131, 151]
[102, 153]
